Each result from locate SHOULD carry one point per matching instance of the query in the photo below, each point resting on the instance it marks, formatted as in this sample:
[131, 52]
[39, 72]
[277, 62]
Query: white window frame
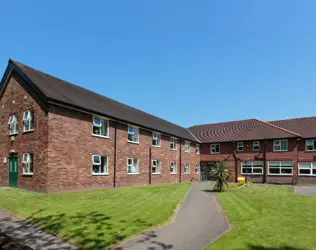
[278, 143]
[173, 166]
[256, 144]
[13, 123]
[28, 120]
[198, 168]
[313, 142]
[27, 164]
[132, 165]
[105, 166]
[186, 167]
[173, 143]
[280, 167]
[132, 133]
[240, 146]
[213, 146]
[197, 149]
[253, 165]
[106, 122]
[312, 166]
[157, 163]
[156, 137]
[187, 145]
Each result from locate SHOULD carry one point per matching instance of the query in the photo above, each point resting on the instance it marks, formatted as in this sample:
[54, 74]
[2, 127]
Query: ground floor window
[155, 168]
[187, 168]
[99, 165]
[27, 164]
[252, 167]
[173, 167]
[307, 168]
[132, 166]
[280, 167]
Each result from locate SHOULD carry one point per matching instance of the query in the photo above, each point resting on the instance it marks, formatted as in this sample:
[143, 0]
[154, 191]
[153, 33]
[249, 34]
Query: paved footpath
[30, 235]
[305, 190]
[198, 222]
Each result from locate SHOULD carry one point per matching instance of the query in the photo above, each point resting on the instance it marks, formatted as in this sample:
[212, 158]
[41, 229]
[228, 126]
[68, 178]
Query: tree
[221, 174]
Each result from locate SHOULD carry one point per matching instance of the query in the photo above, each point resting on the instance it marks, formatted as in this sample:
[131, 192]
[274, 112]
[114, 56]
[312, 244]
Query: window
[215, 148]
[252, 167]
[197, 168]
[132, 166]
[240, 146]
[155, 168]
[187, 147]
[133, 134]
[307, 168]
[99, 165]
[187, 168]
[100, 127]
[280, 167]
[156, 139]
[280, 145]
[27, 164]
[173, 167]
[13, 125]
[197, 149]
[28, 121]
[256, 146]
[310, 145]
[173, 143]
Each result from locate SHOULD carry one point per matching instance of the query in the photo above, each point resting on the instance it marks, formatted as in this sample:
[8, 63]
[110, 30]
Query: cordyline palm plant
[221, 175]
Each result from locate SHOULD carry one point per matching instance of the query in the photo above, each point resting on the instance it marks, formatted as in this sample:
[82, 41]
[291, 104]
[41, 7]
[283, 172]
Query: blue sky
[189, 62]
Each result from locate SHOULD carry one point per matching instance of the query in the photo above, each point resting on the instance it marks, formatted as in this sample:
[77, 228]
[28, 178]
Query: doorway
[13, 170]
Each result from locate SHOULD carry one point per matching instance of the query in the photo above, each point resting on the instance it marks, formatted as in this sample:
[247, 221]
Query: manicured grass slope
[99, 218]
[268, 218]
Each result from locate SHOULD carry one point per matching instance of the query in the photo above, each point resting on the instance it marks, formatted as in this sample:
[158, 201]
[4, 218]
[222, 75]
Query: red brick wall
[305, 156]
[16, 99]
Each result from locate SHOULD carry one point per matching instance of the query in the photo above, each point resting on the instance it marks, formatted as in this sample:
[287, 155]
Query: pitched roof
[58, 90]
[243, 130]
[305, 126]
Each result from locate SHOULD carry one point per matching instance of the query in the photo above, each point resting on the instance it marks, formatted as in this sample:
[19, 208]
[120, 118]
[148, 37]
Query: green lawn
[268, 218]
[99, 218]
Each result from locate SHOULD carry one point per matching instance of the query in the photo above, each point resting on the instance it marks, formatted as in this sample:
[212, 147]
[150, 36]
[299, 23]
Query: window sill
[132, 173]
[27, 174]
[101, 136]
[155, 173]
[280, 150]
[310, 175]
[173, 173]
[240, 151]
[251, 174]
[197, 153]
[280, 174]
[27, 131]
[100, 174]
[156, 146]
[186, 173]
[187, 152]
[174, 149]
[310, 151]
[214, 153]
[14, 134]
[134, 142]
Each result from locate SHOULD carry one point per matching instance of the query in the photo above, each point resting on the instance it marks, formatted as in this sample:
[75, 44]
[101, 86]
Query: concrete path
[30, 235]
[198, 222]
[305, 190]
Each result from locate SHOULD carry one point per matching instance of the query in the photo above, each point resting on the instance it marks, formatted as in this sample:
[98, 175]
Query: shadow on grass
[254, 247]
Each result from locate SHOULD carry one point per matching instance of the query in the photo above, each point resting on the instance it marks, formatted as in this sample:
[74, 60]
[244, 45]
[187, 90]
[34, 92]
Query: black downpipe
[236, 164]
[114, 174]
[149, 166]
[265, 162]
[180, 167]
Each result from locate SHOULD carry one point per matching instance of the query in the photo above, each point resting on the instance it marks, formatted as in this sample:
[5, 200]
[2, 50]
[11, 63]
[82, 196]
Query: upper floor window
[187, 168]
[155, 168]
[100, 127]
[280, 145]
[256, 146]
[310, 145]
[28, 120]
[132, 166]
[156, 139]
[215, 148]
[240, 146]
[173, 143]
[133, 134]
[27, 164]
[173, 167]
[13, 124]
[197, 149]
[187, 147]
[197, 168]
[99, 165]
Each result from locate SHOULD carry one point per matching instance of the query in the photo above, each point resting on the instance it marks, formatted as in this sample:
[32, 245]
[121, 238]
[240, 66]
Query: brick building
[56, 136]
[266, 152]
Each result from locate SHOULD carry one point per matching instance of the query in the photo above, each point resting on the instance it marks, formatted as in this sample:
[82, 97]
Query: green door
[13, 170]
